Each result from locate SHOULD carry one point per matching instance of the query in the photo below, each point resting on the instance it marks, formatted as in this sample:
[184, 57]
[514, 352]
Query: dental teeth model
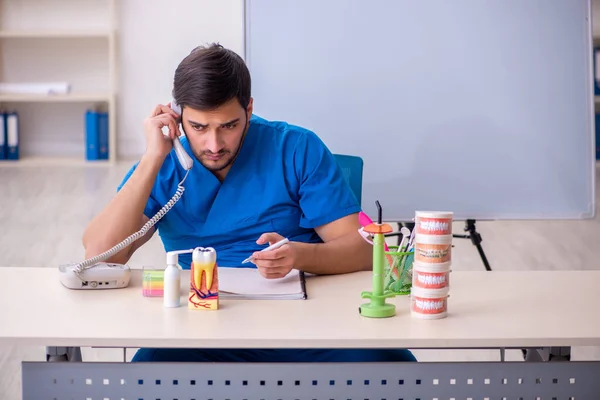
[431, 268]
[204, 280]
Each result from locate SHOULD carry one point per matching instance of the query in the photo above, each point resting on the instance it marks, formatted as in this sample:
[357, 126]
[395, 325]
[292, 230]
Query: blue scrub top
[284, 180]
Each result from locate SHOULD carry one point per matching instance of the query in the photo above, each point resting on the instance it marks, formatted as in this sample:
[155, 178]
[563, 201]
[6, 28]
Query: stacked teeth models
[429, 303]
[431, 268]
[433, 223]
[431, 276]
[433, 249]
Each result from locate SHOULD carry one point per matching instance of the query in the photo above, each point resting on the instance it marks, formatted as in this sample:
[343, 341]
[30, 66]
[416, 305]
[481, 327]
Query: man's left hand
[275, 263]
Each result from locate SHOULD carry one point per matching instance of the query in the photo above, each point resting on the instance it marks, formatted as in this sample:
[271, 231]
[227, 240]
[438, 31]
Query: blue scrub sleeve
[324, 194]
[152, 206]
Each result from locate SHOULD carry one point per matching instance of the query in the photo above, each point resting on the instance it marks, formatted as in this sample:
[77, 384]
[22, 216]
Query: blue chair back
[352, 168]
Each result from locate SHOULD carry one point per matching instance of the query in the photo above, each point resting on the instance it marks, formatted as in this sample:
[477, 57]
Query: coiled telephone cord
[79, 268]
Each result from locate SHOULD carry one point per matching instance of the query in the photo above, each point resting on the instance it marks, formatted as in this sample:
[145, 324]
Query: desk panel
[493, 380]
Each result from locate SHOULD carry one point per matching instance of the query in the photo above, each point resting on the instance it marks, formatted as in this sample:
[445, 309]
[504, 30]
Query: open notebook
[248, 283]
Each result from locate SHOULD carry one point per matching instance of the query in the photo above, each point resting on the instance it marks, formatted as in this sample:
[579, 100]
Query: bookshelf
[38, 98]
[67, 41]
[52, 33]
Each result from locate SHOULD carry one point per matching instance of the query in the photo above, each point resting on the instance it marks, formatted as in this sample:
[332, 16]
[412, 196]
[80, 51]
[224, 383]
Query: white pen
[271, 247]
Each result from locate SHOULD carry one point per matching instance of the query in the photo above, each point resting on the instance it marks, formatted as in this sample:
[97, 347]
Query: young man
[253, 183]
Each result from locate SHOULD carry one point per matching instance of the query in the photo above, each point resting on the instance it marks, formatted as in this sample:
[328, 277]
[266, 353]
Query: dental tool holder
[377, 307]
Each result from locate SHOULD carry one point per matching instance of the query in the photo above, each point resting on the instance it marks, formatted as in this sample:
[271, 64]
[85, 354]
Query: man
[253, 183]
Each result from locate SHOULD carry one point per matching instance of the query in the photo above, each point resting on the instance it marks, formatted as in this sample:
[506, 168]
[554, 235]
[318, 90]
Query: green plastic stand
[377, 307]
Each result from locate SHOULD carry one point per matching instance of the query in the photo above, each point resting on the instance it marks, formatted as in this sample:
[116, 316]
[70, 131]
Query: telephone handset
[184, 158]
[93, 273]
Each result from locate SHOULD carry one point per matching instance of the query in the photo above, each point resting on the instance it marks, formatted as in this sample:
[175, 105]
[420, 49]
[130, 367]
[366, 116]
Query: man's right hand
[157, 144]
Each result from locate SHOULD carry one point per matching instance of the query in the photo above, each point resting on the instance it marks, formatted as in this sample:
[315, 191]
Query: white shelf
[52, 161]
[49, 34]
[59, 41]
[63, 98]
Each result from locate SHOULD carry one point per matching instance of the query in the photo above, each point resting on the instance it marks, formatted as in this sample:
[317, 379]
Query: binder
[597, 123]
[103, 136]
[11, 127]
[96, 135]
[596, 71]
[92, 139]
[3, 138]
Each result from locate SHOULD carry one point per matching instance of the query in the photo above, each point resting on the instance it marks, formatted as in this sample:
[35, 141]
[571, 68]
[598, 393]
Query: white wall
[149, 52]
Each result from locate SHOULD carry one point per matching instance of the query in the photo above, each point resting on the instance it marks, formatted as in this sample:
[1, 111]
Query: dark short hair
[211, 76]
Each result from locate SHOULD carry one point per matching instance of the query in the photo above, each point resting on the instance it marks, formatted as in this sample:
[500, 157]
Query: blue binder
[596, 71]
[3, 138]
[11, 128]
[597, 136]
[103, 135]
[92, 139]
[96, 135]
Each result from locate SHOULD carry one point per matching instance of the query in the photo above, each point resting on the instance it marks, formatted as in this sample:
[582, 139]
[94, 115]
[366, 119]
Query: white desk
[486, 310]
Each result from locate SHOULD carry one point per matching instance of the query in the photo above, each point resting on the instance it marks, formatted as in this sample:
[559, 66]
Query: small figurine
[377, 307]
[204, 280]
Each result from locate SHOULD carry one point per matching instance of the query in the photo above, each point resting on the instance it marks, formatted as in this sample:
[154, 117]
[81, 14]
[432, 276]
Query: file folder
[103, 135]
[597, 123]
[92, 144]
[96, 135]
[12, 134]
[3, 138]
[596, 71]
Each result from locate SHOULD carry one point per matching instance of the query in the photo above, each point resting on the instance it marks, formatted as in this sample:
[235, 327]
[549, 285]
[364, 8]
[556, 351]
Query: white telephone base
[100, 276]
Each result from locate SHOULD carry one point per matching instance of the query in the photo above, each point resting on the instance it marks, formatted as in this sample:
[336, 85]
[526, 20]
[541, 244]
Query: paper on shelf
[47, 88]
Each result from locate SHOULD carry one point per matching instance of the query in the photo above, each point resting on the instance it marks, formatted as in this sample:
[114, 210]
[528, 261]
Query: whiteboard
[483, 108]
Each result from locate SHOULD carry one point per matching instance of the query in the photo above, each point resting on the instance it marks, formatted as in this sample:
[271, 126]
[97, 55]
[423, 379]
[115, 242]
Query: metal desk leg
[547, 354]
[72, 354]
